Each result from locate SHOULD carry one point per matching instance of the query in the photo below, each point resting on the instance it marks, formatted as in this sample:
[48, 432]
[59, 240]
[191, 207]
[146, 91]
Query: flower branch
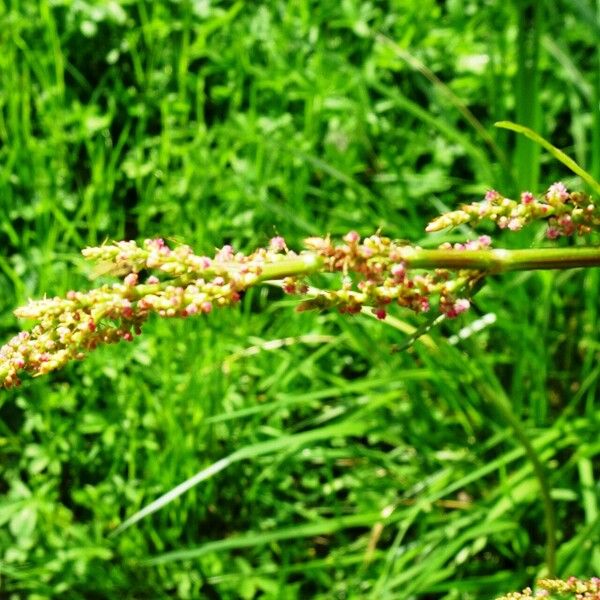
[375, 272]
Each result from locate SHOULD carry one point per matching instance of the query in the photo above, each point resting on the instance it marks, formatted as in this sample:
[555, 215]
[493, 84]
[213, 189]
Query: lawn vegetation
[328, 465]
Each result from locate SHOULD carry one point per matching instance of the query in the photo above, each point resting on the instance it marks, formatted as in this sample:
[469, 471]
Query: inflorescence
[567, 213]
[373, 272]
[572, 589]
[182, 284]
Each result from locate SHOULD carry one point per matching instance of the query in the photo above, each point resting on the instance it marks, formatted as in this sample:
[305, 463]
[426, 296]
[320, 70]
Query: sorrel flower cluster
[373, 272]
[571, 588]
[567, 213]
[181, 284]
[184, 284]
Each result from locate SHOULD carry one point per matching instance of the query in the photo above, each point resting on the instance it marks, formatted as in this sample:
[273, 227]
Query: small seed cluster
[179, 283]
[183, 284]
[566, 213]
[375, 274]
[571, 588]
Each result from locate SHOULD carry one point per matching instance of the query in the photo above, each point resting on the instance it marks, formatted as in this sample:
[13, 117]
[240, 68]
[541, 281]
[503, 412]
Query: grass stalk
[469, 117]
[502, 405]
[554, 151]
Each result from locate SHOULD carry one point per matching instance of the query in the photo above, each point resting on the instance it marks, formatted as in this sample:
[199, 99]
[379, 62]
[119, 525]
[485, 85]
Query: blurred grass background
[359, 473]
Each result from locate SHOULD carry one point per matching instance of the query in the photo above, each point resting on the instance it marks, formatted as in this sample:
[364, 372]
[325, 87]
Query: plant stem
[491, 261]
[502, 404]
[500, 261]
[306, 263]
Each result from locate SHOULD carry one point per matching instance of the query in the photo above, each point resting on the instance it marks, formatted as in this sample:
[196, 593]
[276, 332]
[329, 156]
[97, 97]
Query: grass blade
[464, 110]
[321, 527]
[248, 452]
[553, 150]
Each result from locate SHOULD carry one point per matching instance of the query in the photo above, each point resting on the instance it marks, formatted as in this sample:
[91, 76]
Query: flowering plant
[374, 273]
[572, 588]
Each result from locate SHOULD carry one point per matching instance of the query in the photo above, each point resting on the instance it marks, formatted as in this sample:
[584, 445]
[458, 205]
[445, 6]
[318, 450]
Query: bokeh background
[216, 122]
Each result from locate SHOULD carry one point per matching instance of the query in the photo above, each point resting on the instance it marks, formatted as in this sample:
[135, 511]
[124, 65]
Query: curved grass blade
[553, 150]
[248, 540]
[248, 452]
[464, 110]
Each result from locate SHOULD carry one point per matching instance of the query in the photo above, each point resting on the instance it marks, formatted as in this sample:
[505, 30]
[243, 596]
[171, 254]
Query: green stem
[491, 261]
[500, 261]
[296, 266]
[304, 264]
[503, 406]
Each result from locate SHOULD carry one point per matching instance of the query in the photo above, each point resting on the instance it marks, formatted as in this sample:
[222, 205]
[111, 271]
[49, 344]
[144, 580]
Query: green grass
[331, 466]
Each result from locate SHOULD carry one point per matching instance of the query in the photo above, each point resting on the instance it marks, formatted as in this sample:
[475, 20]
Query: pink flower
[131, 280]
[201, 262]
[461, 305]
[191, 309]
[527, 198]
[352, 237]
[380, 313]
[277, 244]
[557, 193]
[127, 311]
[398, 271]
[224, 254]
[491, 195]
